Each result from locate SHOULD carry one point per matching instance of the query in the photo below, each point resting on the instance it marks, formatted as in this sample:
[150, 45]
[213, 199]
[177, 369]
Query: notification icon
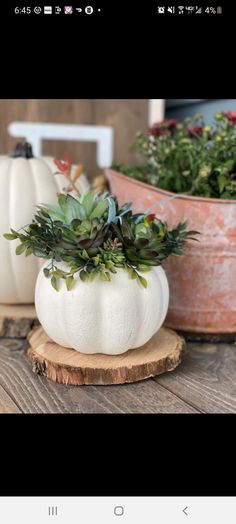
[47, 9]
[68, 10]
[88, 10]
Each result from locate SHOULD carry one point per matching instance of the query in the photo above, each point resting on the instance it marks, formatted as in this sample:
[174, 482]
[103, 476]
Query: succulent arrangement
[94, 236]
[188, 157]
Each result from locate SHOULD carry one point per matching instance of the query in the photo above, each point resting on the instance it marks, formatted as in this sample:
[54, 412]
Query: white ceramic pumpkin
[103, 317]
[25, 181]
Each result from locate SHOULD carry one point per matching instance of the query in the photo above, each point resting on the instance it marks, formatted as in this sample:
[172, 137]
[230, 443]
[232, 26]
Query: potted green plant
[102, 288]
[189, 169]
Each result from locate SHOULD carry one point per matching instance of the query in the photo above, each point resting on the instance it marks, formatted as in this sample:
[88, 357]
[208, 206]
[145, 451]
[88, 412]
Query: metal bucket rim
[169, 193]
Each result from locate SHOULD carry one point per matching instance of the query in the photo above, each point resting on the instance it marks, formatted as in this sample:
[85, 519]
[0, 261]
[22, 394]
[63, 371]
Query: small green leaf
[40, 253]
[83, 275]
[96, 260]
[10, 236]
[88, 202]
[112, 210]
[54, 282]
[143, 268]
[74, 209]
[85, 254]
[110, 266]
[53, 211]
[59, 273]
[141, 230]
[46, 272]
[92, 276]
[222, 181]
[132, 273]
[99, 210]
[20, 249]
[62, 201]
[142, 281]
[105, 276]
[70, 282]
[28, 251]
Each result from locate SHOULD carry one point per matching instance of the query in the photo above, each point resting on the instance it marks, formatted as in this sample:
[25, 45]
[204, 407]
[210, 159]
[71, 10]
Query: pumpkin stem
[23, 149]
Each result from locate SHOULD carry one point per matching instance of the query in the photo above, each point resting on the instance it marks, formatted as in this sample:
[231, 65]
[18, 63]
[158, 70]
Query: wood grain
[160, 354]
[127, 117]
[17, 320]
[6, 403]
[204, 382]
[139, 397]
[29, 392]
[36, 394]
[207, 378]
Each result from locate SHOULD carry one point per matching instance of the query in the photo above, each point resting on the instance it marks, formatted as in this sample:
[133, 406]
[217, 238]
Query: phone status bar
[56, 10]
[189, 10]
[160, 10]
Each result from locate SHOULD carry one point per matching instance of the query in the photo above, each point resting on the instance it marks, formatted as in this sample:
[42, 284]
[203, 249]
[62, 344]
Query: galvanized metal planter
[203, 281]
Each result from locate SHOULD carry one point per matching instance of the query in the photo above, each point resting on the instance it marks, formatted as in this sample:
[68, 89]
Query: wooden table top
[205, 382]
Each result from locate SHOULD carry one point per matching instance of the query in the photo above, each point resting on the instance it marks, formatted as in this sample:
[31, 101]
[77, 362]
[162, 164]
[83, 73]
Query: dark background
[127, 51]
[102, 455]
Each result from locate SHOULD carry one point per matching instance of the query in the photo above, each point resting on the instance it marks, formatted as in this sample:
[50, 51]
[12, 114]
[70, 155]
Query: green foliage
[70, 282]
[188, 157]
[94, 237]
[148, 242]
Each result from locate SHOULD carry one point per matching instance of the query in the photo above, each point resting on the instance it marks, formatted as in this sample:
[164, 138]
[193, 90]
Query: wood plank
[160, 354]
[17, 320]
[141, 397]
[6, 403]
[206, 379]
[30, 392]
[36, 394]
[127, 117]
[70, 111]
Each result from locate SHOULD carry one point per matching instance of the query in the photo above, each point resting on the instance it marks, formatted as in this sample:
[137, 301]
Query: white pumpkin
[103, 317]
[24, 183]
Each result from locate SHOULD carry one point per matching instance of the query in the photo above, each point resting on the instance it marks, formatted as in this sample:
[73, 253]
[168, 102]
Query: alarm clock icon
[88, 10]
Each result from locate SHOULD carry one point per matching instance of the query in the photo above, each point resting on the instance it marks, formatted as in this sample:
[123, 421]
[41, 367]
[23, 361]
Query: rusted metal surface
[203, 281]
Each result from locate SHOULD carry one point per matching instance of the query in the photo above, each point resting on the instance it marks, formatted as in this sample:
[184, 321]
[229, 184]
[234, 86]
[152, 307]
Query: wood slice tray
[17, 320]
[161, 354]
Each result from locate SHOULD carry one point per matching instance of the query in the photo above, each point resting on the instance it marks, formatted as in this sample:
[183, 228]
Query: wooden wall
[126, 116]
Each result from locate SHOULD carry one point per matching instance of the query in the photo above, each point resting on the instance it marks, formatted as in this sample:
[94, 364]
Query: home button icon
[119, 511]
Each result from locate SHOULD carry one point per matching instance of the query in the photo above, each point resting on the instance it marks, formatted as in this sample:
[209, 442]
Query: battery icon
[219, 10]
[47, 9]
